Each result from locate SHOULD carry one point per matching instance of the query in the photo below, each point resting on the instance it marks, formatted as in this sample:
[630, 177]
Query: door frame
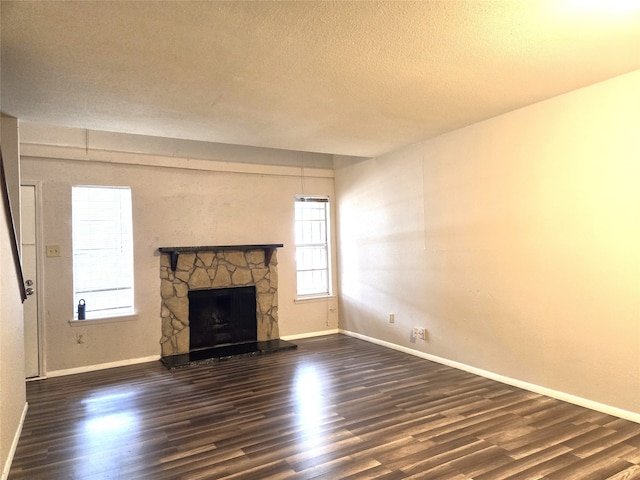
[37, 185]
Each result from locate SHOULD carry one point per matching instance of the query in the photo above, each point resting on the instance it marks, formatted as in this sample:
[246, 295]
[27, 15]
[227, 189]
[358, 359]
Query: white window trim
[106, 317]
[74, 322]
[314, 298]
[311, 297]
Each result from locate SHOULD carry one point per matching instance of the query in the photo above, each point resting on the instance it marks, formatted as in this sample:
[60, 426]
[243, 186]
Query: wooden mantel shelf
[175, 252]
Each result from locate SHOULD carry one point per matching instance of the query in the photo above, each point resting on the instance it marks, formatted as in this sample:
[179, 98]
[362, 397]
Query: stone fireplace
[185, 269]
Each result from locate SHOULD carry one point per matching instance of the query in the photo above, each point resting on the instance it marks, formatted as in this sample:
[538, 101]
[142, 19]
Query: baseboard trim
[14, 444]
[566, 397]
[101, 366]
[310, 334]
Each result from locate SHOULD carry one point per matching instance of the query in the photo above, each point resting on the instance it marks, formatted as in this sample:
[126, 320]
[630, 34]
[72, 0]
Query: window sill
[102, 320]
[314, 298]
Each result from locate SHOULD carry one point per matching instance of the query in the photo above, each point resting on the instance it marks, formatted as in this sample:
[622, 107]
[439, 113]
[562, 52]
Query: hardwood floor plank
[624, 433]
[541, 439]
[510, 469]
[481, 461]
[335, 408]
[544, 468]
[631, 473]
[440, 454]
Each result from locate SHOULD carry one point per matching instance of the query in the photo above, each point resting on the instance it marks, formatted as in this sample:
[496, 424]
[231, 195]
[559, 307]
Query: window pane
[103, 250]
[312, 249]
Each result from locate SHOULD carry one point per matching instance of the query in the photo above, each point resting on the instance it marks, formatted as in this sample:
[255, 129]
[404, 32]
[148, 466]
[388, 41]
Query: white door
[28, 239]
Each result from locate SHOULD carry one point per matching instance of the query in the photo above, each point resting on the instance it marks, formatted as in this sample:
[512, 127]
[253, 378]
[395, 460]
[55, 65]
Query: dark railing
[15, 248]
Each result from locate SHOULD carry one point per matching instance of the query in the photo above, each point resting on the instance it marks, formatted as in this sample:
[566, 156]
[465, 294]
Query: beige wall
[202, 202]
[514, 241]
[12, 383]
[11, 150]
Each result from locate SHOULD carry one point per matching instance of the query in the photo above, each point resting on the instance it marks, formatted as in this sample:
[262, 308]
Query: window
[312, 245]
[103, 250]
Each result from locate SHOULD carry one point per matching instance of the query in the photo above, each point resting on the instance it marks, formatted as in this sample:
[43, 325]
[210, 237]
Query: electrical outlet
[392, 318]
[416, 332]
[421, 333]
[53, 250]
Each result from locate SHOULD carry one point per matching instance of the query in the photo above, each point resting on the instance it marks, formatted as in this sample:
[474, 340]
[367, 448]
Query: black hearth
[206, 356]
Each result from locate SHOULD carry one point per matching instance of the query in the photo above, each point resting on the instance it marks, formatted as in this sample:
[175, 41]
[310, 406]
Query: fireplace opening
[222, 316]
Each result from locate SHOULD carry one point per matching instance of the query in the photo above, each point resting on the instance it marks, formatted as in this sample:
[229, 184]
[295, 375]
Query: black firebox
[222, 316]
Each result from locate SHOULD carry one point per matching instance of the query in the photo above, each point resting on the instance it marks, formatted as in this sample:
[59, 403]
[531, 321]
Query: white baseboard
[14, 444]
[310, 334]
[101, 366]
[566, 397]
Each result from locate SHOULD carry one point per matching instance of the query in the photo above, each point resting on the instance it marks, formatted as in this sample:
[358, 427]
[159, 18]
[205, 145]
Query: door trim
[37, 185]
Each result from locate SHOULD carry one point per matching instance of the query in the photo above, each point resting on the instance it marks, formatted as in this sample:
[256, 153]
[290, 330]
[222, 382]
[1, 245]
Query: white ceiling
[351, 78]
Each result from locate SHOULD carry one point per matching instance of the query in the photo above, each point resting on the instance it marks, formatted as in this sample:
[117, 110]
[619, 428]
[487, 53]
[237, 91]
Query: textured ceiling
[351, 78]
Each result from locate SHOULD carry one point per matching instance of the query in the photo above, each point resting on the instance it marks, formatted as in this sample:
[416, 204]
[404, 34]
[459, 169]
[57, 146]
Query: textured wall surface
[513, 241]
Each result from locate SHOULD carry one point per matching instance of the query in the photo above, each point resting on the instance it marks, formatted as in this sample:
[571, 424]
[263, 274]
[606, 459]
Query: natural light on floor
[108, 435]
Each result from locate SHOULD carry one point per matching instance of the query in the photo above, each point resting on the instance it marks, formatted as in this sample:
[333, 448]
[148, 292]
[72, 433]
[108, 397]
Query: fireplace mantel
[176, 251]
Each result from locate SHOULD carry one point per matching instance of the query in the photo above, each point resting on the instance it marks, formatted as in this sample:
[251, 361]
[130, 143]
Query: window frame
[305, 294]
[124, 310]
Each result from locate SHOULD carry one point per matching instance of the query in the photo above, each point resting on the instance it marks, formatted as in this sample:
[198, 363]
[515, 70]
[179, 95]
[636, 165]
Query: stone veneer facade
[210, 269]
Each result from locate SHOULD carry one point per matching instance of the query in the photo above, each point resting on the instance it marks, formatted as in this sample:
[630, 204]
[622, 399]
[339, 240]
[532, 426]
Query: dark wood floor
[335, 408]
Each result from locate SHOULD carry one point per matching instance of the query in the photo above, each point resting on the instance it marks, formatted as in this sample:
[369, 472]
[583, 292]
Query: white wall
[12, 373]
[177, 201]
[514, 241]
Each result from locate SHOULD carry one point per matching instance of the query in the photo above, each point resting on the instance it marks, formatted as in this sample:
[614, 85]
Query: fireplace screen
[222, 316]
